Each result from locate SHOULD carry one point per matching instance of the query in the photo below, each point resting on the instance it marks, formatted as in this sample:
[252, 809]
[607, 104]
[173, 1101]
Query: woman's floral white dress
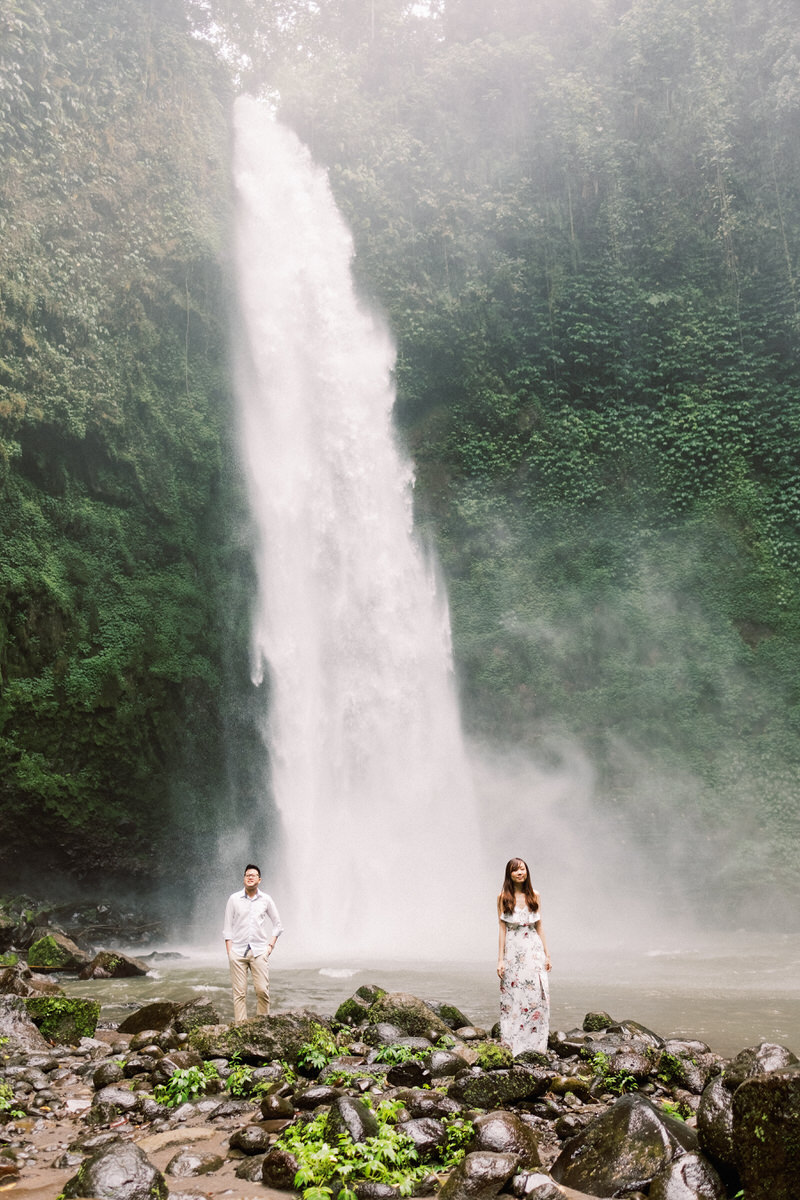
[524, 988]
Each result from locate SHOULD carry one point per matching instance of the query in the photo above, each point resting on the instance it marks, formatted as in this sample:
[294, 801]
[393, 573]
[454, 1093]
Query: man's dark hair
[252, 867]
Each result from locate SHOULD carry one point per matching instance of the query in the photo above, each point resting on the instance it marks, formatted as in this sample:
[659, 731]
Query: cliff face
[117, 572]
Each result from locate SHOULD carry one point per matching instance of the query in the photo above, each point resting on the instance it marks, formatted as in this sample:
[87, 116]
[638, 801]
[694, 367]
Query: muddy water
[731, 994]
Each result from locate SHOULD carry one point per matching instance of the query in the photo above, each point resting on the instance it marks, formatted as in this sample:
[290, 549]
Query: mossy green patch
[63, 1019]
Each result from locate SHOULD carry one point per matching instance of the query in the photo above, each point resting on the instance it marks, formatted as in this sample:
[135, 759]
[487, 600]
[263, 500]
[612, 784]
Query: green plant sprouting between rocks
[337, 1164]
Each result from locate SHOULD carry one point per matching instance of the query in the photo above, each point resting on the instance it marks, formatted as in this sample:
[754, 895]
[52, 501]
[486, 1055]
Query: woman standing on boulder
[522, 963]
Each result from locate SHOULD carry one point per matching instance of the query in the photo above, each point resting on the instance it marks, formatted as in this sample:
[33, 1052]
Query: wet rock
[715, 1122]
[251, 1168]
[496, 1089]
[354, 1011]
[17, 1026]
[427, 1134]
[281, 1036]
[471, 1033]
[122, 1098]
[251, 1139]
[194, 1014]
[230, 1109]
[690, 1177]
[156, 1016]
[638, 1035]
[422, 1103]
[446, 1063]
[18, 979]
[593, 1022]
[273, 1107]
[479, 1176]
[112, 964]
[63, 1020]
[408, 1013]
[623, 1149]
[453, 1017]
[371, 1190]
[688, 1065]
[352, 1116]
[410, 1074]
[630, 1062]
[279, 1169]
[55, 951]
[313, 1097]
[107, 1074]
[757, 1060]
[766, 1134]
[382, 1033]
[506, 1133]
[118, 1171]
[189, 1162]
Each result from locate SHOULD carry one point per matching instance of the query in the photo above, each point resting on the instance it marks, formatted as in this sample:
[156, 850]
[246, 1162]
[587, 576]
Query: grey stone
[715, 1122]
[189, 1162]
[479, 1176]
[117, 1171]
[427, 1133]
[690, 1177]
[506, 1133]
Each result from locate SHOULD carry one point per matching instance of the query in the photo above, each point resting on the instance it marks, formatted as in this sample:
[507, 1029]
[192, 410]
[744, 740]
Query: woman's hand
[547, 963]
[501, 969]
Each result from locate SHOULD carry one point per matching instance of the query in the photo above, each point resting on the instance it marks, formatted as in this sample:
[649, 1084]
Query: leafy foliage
[185, 1083]
[388, 1157]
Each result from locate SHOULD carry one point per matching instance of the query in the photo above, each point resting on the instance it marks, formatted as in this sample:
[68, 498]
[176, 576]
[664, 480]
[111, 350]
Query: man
[252, 927]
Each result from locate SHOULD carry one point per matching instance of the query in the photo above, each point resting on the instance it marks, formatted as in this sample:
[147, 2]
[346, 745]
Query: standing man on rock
[252, 927]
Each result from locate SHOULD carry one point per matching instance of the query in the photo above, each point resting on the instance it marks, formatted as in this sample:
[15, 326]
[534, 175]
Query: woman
[522, 963]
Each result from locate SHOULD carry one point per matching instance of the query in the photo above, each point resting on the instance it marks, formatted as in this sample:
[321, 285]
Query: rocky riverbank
[391, 1095]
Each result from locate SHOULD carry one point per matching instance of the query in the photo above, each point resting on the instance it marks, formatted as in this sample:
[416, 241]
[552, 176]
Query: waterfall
[380, 851]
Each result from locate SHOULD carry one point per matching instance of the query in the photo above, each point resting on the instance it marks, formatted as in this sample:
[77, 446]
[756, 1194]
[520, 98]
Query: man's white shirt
[251, 923]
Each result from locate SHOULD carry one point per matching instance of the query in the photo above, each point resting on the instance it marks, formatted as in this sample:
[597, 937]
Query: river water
[731, 992]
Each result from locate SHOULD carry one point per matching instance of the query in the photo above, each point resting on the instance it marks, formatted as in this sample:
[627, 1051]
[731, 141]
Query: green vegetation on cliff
[117, 491]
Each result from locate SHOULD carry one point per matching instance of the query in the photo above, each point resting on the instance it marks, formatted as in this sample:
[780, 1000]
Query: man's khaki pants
[260, 972]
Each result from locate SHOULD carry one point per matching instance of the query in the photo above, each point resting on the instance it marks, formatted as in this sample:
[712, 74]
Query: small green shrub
[390, 1157]
[187, 1083]
[319, 1050]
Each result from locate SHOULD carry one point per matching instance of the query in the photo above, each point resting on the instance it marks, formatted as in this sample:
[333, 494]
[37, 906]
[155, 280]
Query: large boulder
[479, 1176]
[157, 1016]
[757, 1060]
[623, 1149]
[408, 1013]
[54, 951]
[117, 1171]
[112, 964]
[63, 1019]
[766, 1134]
[17, 979]
[496, 1089]
[263, 1038]
[17, 1026]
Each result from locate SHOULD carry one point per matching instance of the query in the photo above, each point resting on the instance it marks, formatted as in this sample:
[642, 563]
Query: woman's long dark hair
[508, 896]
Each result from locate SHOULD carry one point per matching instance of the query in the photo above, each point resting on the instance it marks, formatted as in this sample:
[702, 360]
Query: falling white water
[379, 851]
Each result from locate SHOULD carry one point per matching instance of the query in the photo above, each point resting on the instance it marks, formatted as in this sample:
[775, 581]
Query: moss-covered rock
[282, 1036]
[408, 1013]
[355, 1010]
[62, 1018]
[55, 951]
